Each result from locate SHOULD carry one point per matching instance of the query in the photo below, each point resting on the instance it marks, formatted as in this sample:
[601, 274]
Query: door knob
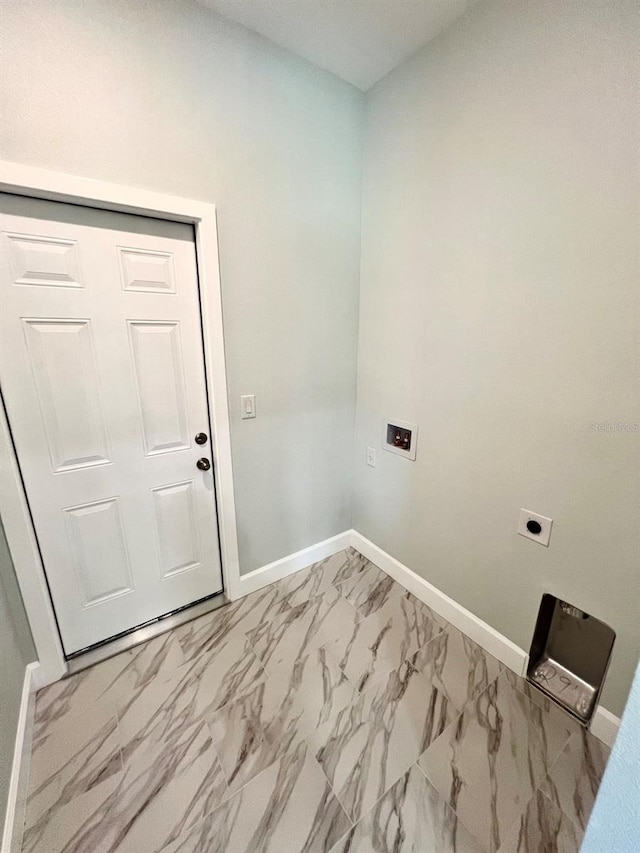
[201, 438]
[203, 464]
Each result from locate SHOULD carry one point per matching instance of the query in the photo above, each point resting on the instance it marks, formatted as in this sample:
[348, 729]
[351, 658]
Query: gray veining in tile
[79, 753]
[65, 824]
[490, 761]
[167, 788]
[575, 778]
[410, 818]
[373, 741]
[163, 776]
[163, 792]
[323, 620]
[541, 699]
[109, 681]
[369, 589]
[319, 577]
[289, 807]
[273, 723]
[386, 638]
[277, 714]
[457, 666]
[203, 636]
[222, 675]
[158, 714]
[543, 828]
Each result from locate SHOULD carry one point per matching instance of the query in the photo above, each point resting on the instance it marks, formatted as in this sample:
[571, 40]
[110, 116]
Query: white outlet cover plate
[545, 523]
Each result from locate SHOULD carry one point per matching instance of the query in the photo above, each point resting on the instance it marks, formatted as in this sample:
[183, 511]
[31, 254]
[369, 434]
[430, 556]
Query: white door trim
[56, 186]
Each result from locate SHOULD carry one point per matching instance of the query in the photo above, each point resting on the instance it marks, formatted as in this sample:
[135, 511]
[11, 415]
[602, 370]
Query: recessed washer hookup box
[569, 656]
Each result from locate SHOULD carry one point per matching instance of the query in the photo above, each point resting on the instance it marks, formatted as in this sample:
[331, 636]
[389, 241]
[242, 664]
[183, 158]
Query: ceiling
[359, 40]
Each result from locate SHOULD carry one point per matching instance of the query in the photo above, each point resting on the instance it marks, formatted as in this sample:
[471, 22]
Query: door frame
[34, 182]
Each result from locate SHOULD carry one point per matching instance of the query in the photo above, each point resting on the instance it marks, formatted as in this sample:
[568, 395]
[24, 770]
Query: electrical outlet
[535, 527]
[371, 456]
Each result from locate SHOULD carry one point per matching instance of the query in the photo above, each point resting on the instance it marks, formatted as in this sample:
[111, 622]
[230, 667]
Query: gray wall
[499, 270]
[16, 651]
[499, 287]
[168, 96]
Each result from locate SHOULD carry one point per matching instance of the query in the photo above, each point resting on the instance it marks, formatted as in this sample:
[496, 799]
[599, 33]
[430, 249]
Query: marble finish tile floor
[331, 712]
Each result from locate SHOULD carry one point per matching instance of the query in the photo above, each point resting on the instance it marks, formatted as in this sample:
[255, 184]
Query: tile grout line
[305, 740]
[373, 686]
[559, 807]
[267, 675]
[447, 805]
[119, 731]
[567, 721]
[331, 788]
[467, 707]
[530, 702]
[223, 771]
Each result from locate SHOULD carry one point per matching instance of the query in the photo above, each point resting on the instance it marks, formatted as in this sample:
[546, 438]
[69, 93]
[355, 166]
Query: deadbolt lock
[201, 438]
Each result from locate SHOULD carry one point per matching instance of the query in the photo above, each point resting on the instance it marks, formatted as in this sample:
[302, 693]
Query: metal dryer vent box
[569, 656]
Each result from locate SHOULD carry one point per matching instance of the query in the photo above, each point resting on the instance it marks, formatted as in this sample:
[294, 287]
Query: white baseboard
[14, 816]
[279, 569]
[604, 725]
[481, 633]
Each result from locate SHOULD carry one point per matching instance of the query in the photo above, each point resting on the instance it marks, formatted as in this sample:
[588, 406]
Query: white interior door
[102, 373]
